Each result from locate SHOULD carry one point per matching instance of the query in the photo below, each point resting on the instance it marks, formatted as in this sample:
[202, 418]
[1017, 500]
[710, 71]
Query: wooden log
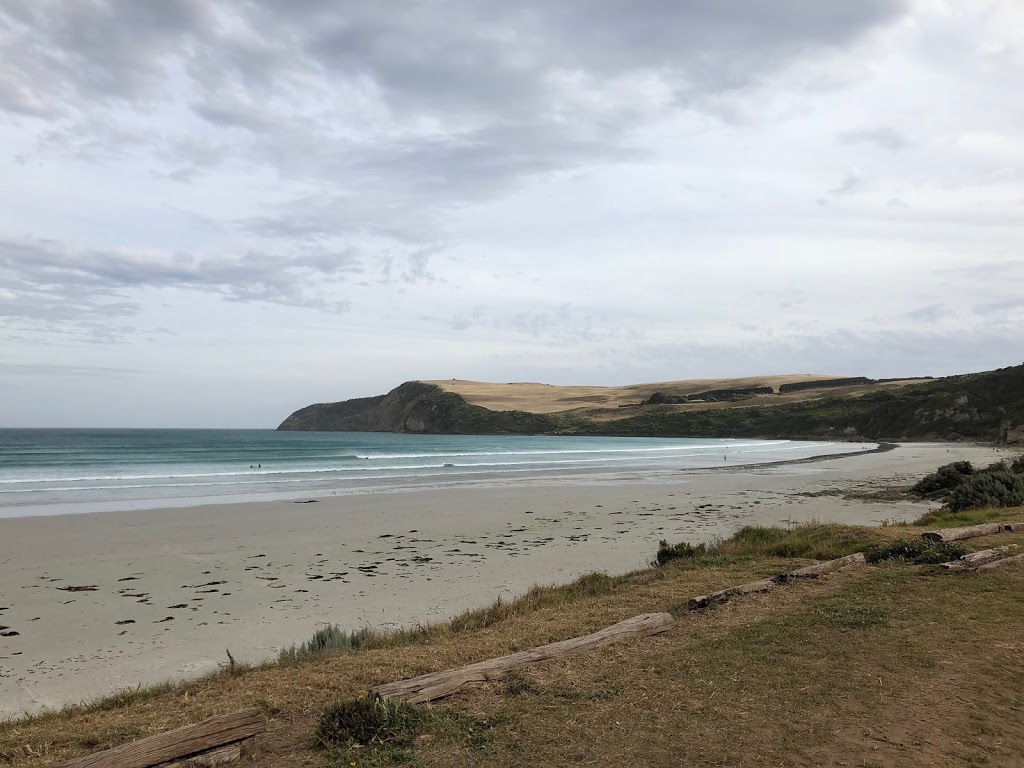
[232, 753]
[724, 595]
[820, 569]
[1015, 560]
[176, 744]
[436, 685]
[974, 559]
[967, 532]
[1013, 527]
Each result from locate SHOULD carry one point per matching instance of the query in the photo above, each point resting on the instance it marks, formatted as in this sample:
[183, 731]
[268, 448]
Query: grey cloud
[998, 307]
[882, 136]
[492, 76]
[50, 282]
[844, 353]
[986, 272]
[65, 53]
[929, 314]
[50, 369]
[850, 183]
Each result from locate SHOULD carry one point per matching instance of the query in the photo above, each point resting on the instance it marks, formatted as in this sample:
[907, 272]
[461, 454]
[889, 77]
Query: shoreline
[107, 602]
[400, 485]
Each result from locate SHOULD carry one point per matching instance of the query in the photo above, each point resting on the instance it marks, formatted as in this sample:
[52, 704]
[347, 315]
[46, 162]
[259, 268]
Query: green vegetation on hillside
[709, 396]
[985, 407]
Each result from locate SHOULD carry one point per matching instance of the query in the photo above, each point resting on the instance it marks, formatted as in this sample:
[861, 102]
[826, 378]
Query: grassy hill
[985, 406]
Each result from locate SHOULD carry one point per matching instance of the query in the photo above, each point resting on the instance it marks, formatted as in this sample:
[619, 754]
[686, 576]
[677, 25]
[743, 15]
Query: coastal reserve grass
[888, 664]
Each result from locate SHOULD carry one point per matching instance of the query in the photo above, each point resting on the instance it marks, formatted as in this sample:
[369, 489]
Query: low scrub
[331, 639]
[944, 479]
[992, 489]
[963, 487]
[368, 721]
[812, 541]
[681, 551]
[916, 551]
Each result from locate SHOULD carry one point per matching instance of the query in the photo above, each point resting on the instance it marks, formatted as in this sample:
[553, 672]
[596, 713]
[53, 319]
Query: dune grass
[812, 541]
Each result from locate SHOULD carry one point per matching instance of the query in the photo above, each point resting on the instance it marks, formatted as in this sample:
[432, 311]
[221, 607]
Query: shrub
[680, 551]
[916, 551]
[368, 721]
[330, 639]
[945, 478]
[992, 489]
[1017, 465]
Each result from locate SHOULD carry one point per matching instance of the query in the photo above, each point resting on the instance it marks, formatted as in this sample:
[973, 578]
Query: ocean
[52, 471]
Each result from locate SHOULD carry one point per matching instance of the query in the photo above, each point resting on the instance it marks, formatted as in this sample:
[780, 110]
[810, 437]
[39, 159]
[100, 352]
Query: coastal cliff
[416, 407]
[985, 407]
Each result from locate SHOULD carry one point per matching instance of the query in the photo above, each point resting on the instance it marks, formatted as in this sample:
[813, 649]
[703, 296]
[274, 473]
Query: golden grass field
[611, 402]
[885, 665]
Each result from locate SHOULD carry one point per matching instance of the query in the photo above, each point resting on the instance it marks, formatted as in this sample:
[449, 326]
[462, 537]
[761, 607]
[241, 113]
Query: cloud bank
[317, 201]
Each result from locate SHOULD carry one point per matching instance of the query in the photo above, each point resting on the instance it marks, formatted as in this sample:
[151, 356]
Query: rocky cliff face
[420, 408]
[407, 408]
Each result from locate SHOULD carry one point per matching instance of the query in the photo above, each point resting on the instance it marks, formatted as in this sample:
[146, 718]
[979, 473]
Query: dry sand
[100, 602]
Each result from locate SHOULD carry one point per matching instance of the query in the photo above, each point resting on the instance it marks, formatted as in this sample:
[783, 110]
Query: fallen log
[232, 753]
[177, 744]
[819, 569]
[436, 685]
[1015, 560]
[967, 532]
[724, 595]
[975, 559]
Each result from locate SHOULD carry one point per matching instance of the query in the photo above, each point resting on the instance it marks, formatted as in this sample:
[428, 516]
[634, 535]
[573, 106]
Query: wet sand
[93, 603]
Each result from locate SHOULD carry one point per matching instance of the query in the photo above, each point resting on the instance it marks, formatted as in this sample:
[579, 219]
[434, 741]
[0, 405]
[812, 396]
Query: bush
[680, 551]
[330, 639]
[945, 478]
[991, 489]
[1017, 465]
[368, 721]
[916, 551]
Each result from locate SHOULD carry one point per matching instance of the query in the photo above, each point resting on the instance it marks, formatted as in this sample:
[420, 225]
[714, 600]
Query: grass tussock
[332, 639]
[368, 721]
[916, 552]
[814, 541]
[943, 517]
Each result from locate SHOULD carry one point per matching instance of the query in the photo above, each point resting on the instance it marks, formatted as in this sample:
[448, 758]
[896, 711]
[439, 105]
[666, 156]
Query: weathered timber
[975, 559]
[724, 595]
[176, 744]
[232, 753]
[967, 532]
[437, 685]
[1015, 560]
[1017, 527]
[820, 569]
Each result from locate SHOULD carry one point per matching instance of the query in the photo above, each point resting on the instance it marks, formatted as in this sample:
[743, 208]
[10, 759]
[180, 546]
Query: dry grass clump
[368, 720]
[812, 541]
[332, 639]
[916, 551]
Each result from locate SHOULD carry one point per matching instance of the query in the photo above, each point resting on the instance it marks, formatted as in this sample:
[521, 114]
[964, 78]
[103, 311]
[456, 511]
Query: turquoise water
[51, 470]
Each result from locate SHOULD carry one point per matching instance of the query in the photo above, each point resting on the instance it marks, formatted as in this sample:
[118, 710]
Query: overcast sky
[214, 213]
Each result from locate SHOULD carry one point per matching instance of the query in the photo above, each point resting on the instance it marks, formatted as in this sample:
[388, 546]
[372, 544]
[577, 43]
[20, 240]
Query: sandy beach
[92, 603]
